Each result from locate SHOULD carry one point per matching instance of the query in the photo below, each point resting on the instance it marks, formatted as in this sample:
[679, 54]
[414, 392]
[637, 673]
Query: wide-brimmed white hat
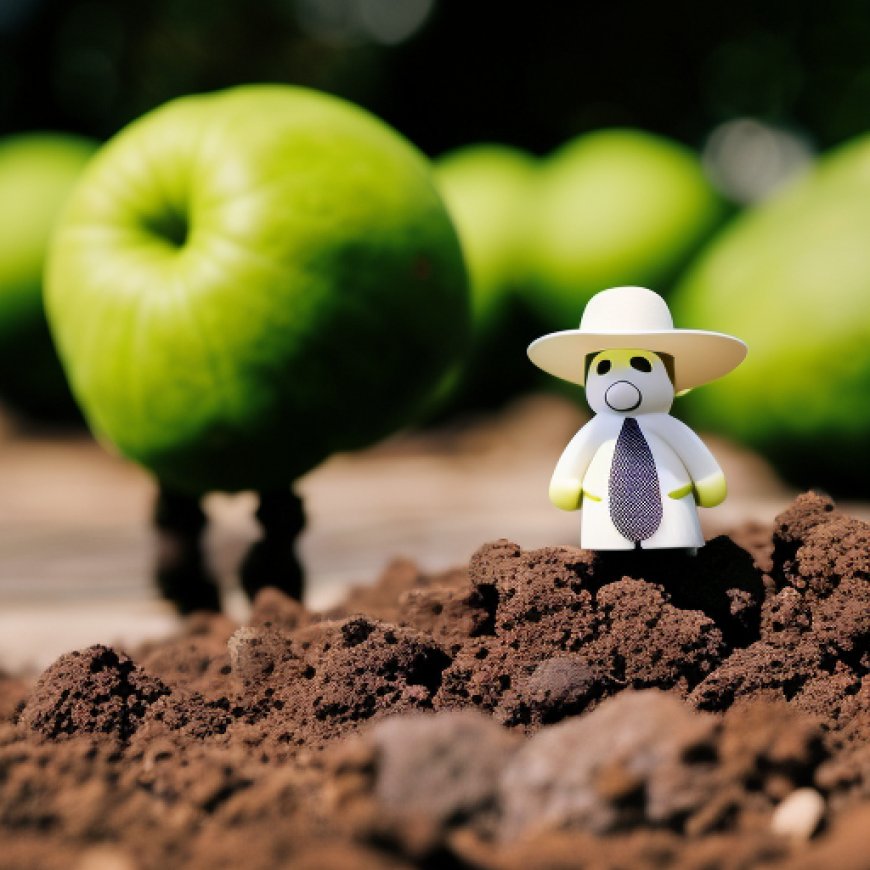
[634, 317]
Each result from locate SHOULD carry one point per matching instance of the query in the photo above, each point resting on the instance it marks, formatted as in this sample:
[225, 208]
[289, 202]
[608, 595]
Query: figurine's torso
[672, 473]
[679, 525]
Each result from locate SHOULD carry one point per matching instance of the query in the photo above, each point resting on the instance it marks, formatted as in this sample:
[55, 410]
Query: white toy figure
[637, 471]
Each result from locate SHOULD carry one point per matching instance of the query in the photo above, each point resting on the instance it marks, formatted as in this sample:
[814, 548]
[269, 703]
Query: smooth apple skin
[37, 173]
[791, 277]
[248, 281]
[615, 207]
[488, 188]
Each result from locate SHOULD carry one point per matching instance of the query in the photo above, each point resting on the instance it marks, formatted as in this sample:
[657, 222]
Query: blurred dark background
[444, 73]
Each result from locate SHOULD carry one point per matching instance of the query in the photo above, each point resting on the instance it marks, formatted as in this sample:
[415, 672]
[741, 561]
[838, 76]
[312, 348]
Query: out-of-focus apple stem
[272, 560]
[181, 572]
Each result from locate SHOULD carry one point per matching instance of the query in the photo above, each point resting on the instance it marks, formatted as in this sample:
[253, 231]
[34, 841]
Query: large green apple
[615, 207]
[792, 278]
[37, 172]
[488, 189]
[247, 281]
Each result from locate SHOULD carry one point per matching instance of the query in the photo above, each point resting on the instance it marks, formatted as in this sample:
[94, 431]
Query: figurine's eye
[603, 367]
[642, 364]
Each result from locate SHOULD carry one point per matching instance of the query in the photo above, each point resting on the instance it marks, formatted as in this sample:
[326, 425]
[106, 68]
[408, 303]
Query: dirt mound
[95, 691]
[541, 708]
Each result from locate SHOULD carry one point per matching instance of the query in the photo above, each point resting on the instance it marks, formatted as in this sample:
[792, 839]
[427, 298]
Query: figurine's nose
[622, 396]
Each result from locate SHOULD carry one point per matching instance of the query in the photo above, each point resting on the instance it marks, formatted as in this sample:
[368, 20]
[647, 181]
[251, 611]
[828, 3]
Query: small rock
[105, 858]
[799, 815]
[413, 777]
[558, 687]
[562, 681]
[237, 645]
[639, 758]
[444, 765]
[251, 654]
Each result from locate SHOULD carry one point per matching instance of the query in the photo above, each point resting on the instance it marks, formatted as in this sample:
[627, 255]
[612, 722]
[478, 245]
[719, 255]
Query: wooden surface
[75, 540]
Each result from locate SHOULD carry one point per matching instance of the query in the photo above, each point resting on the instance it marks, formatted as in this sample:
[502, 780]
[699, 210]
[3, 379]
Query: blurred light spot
[388, 22]
[328, 20]
[393, 21]
[747, 159]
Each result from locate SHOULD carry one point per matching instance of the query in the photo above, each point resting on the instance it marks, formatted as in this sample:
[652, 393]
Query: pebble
[236, 645]
[798, 816]
[105, 858]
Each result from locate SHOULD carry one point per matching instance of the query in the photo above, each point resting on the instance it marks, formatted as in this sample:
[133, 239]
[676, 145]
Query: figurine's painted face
[627, 382]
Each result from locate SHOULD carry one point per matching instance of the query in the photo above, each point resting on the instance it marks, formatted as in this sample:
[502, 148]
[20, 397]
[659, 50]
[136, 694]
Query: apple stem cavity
[171, 227]
[272, 561]
[181, 572]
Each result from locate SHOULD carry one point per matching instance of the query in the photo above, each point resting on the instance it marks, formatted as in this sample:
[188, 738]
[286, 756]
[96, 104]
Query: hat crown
[626, 309]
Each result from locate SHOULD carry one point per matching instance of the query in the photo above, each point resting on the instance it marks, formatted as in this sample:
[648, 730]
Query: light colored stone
[239, 644]
[105, 858]
[581, 773]
[454, 759]
[798, 816]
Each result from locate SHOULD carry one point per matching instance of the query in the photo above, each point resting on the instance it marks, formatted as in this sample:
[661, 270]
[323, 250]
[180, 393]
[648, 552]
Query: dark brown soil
[548, 708]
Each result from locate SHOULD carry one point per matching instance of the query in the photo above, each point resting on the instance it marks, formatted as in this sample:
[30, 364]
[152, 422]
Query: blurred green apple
[792, 278]
[615, 207]
[37, 172]
[488, 189]
[247, 281]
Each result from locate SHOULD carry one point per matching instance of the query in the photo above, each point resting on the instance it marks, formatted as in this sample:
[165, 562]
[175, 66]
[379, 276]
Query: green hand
[566, 493]
[711, 491]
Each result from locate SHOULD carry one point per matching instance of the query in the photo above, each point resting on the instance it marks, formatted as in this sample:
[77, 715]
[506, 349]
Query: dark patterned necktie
[635, 499]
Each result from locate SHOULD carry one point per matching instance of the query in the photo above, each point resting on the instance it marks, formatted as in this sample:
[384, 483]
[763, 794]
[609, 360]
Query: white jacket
[680, 458]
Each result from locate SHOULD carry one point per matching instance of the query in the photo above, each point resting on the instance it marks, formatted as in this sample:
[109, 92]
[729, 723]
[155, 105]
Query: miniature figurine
[637, 472]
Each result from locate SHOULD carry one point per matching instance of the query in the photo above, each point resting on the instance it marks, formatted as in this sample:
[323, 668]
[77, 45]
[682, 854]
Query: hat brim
[699, 356]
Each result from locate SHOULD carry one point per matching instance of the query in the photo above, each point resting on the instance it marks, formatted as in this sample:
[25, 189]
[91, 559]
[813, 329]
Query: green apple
[615, 207]
[37, 172]
[488, 189]
[246, 281]
[792, 278]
